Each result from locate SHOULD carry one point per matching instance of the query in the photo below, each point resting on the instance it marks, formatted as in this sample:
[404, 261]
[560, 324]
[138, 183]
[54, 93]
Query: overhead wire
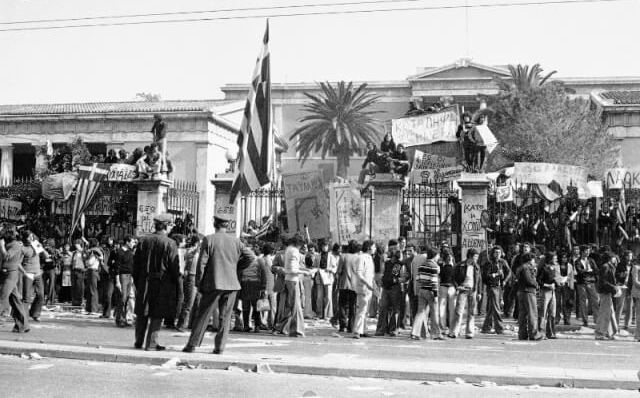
[298, 14]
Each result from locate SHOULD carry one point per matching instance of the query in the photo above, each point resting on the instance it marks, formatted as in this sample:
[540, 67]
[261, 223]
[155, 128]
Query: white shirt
[365, 271]
[292, 259]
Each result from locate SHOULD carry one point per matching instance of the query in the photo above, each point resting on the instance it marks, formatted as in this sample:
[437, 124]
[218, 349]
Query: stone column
[6, 165]
[222, 184]
[152, 200]
[384, 223]
[474, 212]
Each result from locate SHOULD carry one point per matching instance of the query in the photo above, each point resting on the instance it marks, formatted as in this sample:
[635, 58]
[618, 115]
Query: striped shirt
[424, 273]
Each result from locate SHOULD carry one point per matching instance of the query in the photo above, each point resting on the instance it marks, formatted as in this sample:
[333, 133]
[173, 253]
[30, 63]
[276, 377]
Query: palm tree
[337, 122]
[524, 78]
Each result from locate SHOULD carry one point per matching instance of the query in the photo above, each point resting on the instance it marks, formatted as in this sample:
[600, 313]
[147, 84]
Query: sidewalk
[574, 360]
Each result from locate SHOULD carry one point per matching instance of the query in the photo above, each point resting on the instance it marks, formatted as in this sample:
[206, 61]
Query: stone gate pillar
[222, 184]
[474, 212]
[384, 223]
[152, 200]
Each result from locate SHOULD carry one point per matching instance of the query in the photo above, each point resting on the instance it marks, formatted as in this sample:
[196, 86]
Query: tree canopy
[540, 122]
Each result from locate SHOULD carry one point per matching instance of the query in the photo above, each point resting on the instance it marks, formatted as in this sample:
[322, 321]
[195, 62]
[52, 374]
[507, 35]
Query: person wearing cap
[466, 276]
[222, 255]
[156, 269]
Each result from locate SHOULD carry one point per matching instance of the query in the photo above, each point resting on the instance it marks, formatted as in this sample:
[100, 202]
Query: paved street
[485, 354]
[60, 378]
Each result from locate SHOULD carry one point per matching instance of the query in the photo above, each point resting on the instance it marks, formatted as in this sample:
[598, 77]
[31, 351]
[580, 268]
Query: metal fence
[183, 199]
[430, 214]
[263, 203]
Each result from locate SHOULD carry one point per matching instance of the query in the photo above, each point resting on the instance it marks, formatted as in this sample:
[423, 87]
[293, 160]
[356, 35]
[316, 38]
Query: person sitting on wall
[150, 164]
[111, 157]
[400, 161]
[387, 145]
[370, 164]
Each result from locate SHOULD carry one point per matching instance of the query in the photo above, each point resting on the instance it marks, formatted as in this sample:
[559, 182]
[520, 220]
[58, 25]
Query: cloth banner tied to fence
[346, 213]
[545, 173]
[430, 169]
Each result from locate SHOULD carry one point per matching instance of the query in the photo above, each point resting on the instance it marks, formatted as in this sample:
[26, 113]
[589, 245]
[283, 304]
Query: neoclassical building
[199, 134]
[463, 80]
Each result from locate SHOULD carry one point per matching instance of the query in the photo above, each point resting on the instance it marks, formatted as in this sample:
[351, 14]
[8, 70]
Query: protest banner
[102, 205]
[618, 178]
[122, 172]
[430, 169]
[427, 128]
[10, 209]
[504, 194]
[307, 203]
[346, 213]
[386, 214]
[544, 173]
[473, 231]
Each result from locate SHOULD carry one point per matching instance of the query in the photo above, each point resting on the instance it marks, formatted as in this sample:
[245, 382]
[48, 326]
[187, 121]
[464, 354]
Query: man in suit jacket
[155, 275]
[221, 256]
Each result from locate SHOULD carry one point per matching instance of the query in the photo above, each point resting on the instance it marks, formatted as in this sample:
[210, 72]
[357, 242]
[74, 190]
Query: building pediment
[463, 69]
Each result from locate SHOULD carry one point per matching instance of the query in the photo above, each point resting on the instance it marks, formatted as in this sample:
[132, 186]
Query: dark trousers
[250, 307]
[77, 287]
[510, 298]
[190, 291]
[49, 278]
[11, 294]
[347, 303]
[106, 294]
[179, 301]
[150, 327]
[564, 303]
[527, 316]
[92, 291]
[33, 295]
[493, 317]
[389, 311]
[224, 300]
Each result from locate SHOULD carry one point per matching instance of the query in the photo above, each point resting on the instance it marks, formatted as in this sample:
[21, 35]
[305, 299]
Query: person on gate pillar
[462, 134]
[586, 271]
[221, 256]
[527, 286]
[495, 274]
[155, 275]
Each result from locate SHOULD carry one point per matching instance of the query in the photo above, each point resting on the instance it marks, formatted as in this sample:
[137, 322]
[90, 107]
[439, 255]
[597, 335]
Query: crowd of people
[199, 283]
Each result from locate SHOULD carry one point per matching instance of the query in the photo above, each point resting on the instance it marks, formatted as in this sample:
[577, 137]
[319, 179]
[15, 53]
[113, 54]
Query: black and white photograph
[339, 198]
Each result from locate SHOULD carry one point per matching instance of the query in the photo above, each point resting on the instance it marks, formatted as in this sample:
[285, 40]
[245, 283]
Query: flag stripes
[89, 180]
[255, 140]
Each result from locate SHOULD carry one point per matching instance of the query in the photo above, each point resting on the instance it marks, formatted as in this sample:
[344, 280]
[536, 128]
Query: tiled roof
[112, 107]
[622, 97]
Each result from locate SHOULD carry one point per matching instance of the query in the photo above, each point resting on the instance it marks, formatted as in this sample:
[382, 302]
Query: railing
[184, 199]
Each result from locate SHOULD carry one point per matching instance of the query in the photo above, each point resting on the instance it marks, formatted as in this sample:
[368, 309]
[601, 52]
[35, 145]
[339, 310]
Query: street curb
[222, 363]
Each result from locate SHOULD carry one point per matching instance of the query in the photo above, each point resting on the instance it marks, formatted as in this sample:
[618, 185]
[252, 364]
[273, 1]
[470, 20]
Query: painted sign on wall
[474, 208]
[307, 203]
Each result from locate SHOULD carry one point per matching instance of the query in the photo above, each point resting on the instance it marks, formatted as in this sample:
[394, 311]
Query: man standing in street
[495, 274]
[221, 256]
[155, 275]
[527, 286]
[586, 271]
[606, 325]
[394, 275]
[467, 279]
[123, 267]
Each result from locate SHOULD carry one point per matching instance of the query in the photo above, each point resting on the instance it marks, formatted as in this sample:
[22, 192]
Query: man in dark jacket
[495, 274]
[466, 276]
[155, 274]
[527, 285]
[221, 257]
[586, 271]
[607, 290]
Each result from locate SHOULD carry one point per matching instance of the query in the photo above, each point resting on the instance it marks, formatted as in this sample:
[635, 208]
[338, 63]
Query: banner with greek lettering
[307, 203]
[427, 128]
[122, 172]
[430, 169]
[618, 178]
[10, 209]
[544, 173]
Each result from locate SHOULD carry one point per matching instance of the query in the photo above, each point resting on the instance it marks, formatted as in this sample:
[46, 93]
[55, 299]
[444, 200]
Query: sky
[192, 60]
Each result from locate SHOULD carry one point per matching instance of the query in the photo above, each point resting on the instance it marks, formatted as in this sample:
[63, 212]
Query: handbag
[263, 305]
